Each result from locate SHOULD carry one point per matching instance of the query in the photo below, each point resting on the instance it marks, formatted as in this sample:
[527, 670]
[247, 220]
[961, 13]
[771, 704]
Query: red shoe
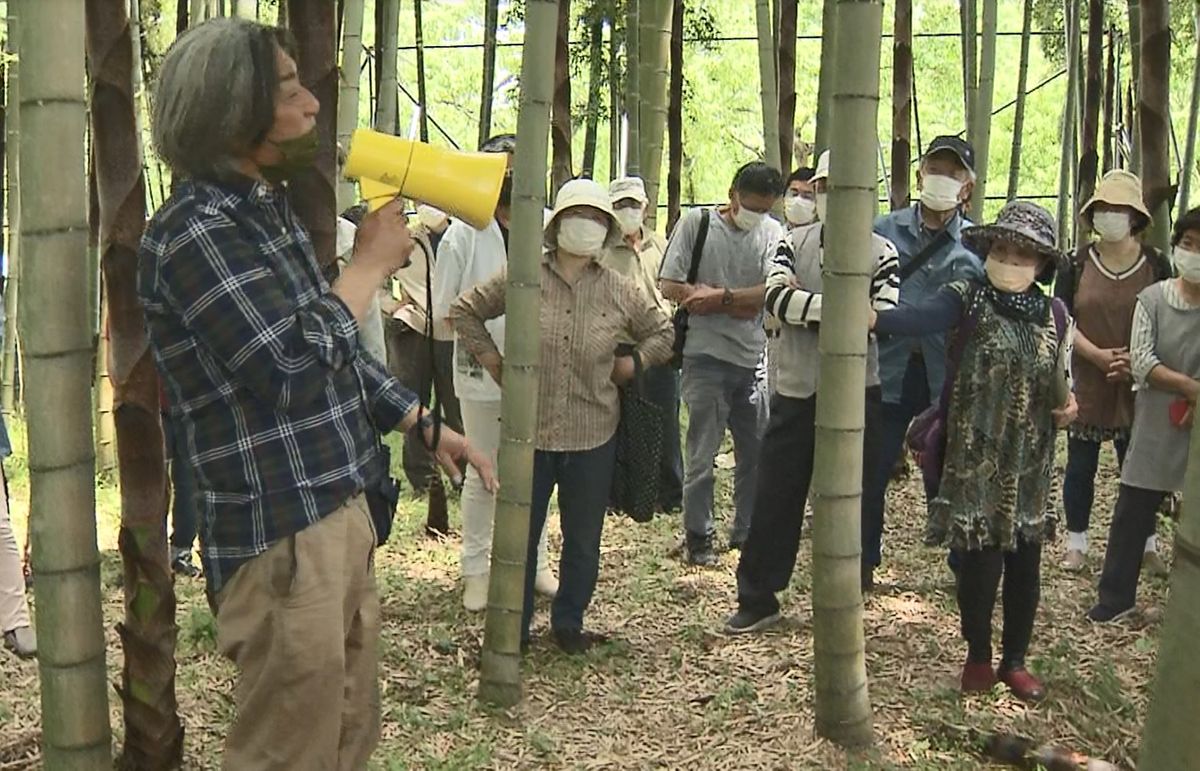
[1024, 686]
[977, 677]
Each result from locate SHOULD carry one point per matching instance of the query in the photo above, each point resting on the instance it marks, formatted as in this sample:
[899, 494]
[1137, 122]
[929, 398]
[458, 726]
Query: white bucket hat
[822, 171]
[581, 192]
[628, 187]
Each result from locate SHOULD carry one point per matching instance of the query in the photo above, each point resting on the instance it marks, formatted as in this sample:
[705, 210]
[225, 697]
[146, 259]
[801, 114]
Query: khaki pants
[301, 621]
[14, 613]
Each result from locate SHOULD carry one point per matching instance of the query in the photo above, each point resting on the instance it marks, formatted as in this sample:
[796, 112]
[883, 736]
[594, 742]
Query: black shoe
[737, 541]
[1103, 614]
[700, 550]
[182, 565]
[748, 621]
[576, 641]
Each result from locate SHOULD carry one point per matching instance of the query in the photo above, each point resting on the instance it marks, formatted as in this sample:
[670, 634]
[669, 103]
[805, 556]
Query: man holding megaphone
[263, 367]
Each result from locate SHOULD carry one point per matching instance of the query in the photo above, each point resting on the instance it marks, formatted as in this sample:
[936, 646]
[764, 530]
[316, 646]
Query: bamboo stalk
[788, 16]
[422, 84]
[654, 61]
[387, 31]
[614, 101]
[1135, 83]
[12, 129]
[1189, 147]
[56, 335]
[491, 21]
[1068, 125]
[633, 97]
[985, 91]
[902, 83]
[970, 42]
[675, 119]
[828, 66]
[1089, 138]
[348, 96]
[768, 87]
[843, 707]
[561, 163]
[500, 666]
[1154, 122]
[1110, 103]
[592, 112]
[1014, 164]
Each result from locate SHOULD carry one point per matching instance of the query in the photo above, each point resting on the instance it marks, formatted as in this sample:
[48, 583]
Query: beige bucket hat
[1119, 188]
[628, 187]
[581, 192]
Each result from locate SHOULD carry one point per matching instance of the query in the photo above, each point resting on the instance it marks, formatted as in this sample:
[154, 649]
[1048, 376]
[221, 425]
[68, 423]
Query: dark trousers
[583, 480]
[1079, 481]
[409, 361]
[914, 398]
[785, 474]
[661, 386]
[1133, 522]
[183, 484]
[979, 576]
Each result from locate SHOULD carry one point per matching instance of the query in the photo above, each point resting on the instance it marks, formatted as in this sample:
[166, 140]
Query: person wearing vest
[1100, 284]
[1164, 352]
[794, 286]
[1010, 392]
[928, 237]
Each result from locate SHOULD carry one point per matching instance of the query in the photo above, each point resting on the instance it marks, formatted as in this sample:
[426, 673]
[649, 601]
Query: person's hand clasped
[1120, 368]
[704, 300]
[383, 240]
[1066, 415]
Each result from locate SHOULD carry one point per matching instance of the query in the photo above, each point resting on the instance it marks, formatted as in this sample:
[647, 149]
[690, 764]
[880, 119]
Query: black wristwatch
[727, 298]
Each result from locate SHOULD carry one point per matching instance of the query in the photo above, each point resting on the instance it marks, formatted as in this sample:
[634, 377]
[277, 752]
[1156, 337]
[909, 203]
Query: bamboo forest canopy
[722, 118]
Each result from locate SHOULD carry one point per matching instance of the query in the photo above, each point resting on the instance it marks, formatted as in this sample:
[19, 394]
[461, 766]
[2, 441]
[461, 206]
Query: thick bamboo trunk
[422, 83]
[768, 87]
[1089, 138]
[56, 327]
[970, 62]
[153, 731]
[313, 191]
[1110, 104]
[1135, 83]
[902, 88]
[491, 21]
[500, 667]
[1154, 121]
[595, 93]
[12, 133]
[985, 91]
[1014, 162]
[1170, 741]
[825, 84]
[1189, 146]
[654, 61]
[347, 111]
[561, 166]
[199, 11]
[387, 31]
[675, 119]
[788, 17]
[843, 706]
[1065, 214]
[633, 97]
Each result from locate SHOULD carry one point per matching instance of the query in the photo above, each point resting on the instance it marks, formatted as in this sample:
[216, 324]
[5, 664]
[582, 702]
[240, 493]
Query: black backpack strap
[698, 247]
[925, 255]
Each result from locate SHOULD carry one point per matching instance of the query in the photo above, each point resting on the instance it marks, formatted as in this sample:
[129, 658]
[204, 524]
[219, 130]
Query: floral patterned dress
[1000, 428]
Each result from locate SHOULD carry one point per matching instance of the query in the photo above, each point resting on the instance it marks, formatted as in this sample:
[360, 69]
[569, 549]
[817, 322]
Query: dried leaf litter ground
[671, 691]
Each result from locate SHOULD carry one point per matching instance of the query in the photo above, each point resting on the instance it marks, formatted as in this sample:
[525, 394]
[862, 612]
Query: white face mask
[822, 205]
[939, 192]
[1010, 278]
[1187, 263]
[799, 210]
[630, 220]
[1111, 226]
[746, 219]
[430, 217]
[581, 236]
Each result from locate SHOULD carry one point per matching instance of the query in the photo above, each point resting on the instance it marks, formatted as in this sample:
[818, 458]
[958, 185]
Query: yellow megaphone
[465, 185]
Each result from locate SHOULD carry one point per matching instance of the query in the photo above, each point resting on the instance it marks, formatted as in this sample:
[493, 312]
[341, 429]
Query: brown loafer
[1024, 685]
[978, 677]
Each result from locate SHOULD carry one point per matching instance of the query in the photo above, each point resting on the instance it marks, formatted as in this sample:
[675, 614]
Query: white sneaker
[1075, 561]
[475, 592]
[545, 584]
[21, 641]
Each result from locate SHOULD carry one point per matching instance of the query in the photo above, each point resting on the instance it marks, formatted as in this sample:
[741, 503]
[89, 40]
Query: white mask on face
[429, 216]
[746, 219]
[630, 220]
[1187, 263]
[822, 205]
[939, 192]
[1111, 226]
[1010, 278]
[799, 210]
[581, 236]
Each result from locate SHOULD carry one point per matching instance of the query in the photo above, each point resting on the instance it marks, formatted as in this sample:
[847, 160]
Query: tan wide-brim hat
[1119, 188]
[581, 192]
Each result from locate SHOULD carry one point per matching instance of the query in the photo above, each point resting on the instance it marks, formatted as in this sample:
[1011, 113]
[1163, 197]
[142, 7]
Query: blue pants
[721, 395]
[661, 386]
[583, 480]
[183, 483]
[895, 419]
[1079, 481]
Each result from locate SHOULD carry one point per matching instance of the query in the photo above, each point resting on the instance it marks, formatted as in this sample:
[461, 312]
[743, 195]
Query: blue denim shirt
[952, 262]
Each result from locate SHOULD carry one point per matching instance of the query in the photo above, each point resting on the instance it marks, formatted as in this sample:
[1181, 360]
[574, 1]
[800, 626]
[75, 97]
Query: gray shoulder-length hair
[215, 97]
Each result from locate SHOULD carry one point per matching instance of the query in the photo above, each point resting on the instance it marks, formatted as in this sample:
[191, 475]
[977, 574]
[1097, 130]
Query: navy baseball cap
[960, 147]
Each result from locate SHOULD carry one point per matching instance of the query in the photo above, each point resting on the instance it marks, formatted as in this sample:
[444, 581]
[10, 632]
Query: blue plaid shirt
[952, 262]
[278, 404]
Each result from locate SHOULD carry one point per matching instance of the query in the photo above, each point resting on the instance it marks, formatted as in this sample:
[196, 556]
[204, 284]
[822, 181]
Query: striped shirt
[1143, 342]
[263, 368]
[582, 324]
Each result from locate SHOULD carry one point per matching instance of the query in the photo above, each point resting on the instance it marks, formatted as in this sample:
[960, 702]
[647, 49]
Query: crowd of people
[275, 400]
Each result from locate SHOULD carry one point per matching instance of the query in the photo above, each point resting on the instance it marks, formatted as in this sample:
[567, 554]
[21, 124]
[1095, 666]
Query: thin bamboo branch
[491, 21]
[348, 96]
